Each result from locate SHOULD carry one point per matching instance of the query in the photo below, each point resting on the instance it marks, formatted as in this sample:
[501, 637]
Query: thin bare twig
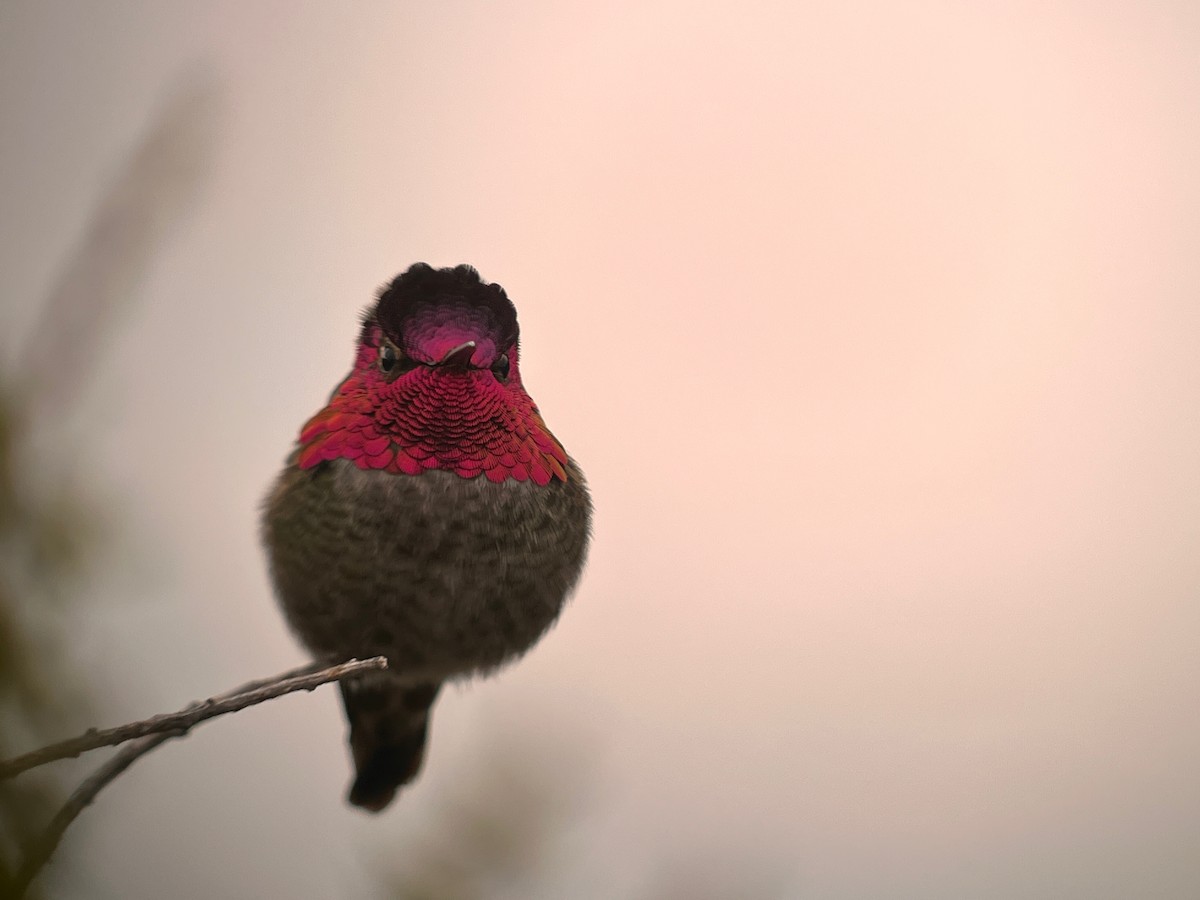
[154, 731]
[41, 851]
[304, 679]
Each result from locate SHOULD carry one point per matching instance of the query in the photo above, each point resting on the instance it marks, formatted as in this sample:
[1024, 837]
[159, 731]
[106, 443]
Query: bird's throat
[450, 424]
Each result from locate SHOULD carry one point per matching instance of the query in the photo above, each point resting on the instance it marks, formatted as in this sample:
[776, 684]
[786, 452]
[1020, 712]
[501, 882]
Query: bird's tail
[388, 725]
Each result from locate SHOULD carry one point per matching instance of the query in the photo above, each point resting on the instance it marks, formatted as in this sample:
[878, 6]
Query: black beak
[458, 358]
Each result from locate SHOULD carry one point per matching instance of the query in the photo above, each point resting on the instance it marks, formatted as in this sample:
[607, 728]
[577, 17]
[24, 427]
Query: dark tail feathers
[388, 725]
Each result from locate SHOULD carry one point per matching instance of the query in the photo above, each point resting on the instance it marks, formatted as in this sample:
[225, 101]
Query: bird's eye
[500, 368]
[388, 358]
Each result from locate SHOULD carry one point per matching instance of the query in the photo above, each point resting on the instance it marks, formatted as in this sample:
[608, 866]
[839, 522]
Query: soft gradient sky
[874, 325]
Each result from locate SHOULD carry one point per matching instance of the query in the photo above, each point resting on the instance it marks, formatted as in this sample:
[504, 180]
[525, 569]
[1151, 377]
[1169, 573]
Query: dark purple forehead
[425, 307]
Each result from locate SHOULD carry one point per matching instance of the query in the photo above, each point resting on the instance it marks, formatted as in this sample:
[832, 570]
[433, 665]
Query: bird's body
[443, 575]
[427, 515]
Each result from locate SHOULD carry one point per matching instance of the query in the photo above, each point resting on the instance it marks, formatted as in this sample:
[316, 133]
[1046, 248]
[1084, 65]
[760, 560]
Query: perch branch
[41, 851]
[177, 723]
[149, 733]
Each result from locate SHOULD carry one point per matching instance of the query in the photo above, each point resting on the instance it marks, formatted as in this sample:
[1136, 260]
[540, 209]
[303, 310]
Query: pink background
[874, 325]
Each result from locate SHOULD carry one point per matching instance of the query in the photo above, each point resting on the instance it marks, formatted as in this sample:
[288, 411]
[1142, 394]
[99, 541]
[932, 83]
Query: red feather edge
[346, 430]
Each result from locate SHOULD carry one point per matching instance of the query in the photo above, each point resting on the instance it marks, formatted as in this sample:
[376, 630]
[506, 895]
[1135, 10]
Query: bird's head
[433, 324]
[436, 384]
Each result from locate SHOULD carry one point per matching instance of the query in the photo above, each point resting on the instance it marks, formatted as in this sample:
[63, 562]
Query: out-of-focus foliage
[44, 541]
[46, 533]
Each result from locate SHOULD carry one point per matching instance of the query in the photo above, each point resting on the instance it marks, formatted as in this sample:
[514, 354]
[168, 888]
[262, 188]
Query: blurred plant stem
[46, 536]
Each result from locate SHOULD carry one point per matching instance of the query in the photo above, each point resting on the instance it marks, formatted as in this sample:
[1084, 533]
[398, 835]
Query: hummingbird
[425, 514]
